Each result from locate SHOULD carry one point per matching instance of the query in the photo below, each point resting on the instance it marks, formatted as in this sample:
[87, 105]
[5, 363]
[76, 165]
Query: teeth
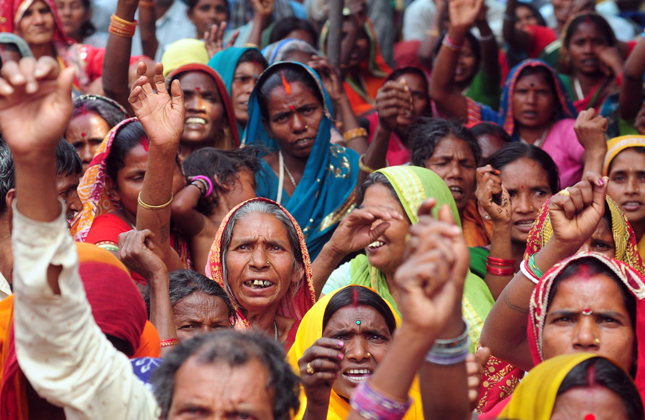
[195, 120]
[303, 141]
[359, 372]
[376, 244]
[258, 283]
[456, 189]
[525, 223]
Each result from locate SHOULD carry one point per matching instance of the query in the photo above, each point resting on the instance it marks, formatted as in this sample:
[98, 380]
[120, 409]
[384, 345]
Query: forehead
[201, 304]
[586, 29]
[526, 172]
[137, 156]
[37, 5]
[197, 79]
[451, 145]
[629, 159]
[347, 317]
[211, 3]
[249, 68]
[89, 120]
[588, 290]
[279, 99]
[380, 195]
[260, 224]
[66, 181]
[536, 79]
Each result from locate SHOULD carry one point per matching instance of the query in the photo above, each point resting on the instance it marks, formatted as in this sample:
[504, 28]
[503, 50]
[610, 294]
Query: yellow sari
[311, 330]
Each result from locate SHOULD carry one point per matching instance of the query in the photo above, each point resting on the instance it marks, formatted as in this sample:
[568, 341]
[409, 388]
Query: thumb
[378, 231]
[600, 194]
[65, 81]
[445, 215]
[426, 207]
[482, 355]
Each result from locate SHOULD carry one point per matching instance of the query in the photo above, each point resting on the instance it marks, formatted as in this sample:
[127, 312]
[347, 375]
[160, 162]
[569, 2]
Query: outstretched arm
[631, 92]
[516, 38]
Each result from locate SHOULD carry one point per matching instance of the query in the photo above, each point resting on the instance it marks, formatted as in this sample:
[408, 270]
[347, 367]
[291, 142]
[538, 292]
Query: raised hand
[393, 99]
[263, 8]
[214, 39]
[492, 196]
[35, 104]
[611, 61]
[161, 115]
[330, 77]
[464, 13]
[137, 252]
[576, 212]
[590, 129]
[319, 367]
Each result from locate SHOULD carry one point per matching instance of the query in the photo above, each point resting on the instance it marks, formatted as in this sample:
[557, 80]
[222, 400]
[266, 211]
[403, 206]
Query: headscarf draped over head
[617, 145]
[631, 279]
[310, 330]
[504, 117]
[21, 44]
[92, 97]
[12, 12]
[183, 52]
[277, 51]
[325, 192]
[233, 140]
[413, 185]
[299, 298]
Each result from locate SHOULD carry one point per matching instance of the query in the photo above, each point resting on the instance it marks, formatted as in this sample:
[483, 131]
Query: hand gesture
[578, 6]
[475, 369]
[137, 252]
[492, 196]
[161, 115]
[214, 39]
[393, 99]
[576, 212]
[590, 130]
[481, 17]
[611, 61]
[464, 13]
[35, 104]
[262, 8]
[330, 78]
[319, 367]
[640, 121]
[357, 230]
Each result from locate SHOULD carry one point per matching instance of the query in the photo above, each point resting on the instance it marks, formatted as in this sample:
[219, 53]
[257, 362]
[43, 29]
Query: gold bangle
[122, 34]
[364, 167]
[354, 133]
[116, 19]
[149, 207]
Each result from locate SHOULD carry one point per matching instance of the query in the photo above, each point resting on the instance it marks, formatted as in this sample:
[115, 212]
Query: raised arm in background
[490, 53]
[426, 48]
[513, 36]
[262, 16]
[631, 91]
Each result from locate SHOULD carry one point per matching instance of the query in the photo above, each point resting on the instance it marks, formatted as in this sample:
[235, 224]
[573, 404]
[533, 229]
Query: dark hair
[594, 18]
[534, 11]
[226, 164]
[272, 78]
[637, 149]
[111, 114]
[515, 151]
[410, 70]
[603, 372]
[358, 295]
[7, 174]
[68, 162]
[425, 135]
[283, 27]
[183, 283]
[475, 46]
[193, 3]
[252, 55]
[374, 178]
[548, 76]
[490, 128]
[87, 28]
[128, 137]
[235, 349]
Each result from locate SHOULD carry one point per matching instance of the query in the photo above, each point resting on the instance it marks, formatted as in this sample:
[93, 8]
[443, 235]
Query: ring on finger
[310, 369]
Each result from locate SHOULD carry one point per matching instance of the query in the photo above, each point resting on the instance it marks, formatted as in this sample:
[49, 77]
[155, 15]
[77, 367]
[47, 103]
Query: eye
[242, 247]
[540, 193]
[308, 110]
[188, 327]
[563, 320]
[600, 246]
[242, 416]
[608, 320]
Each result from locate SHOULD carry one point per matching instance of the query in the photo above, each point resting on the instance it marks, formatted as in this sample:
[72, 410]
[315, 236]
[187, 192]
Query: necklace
[293, 181]
[576, 85]
[275, 326]
[540, 140]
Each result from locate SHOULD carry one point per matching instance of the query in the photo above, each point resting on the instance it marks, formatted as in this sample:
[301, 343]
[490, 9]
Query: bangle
[488, 37]
[451, 45]
[122, 27]
[432, 32]
[151, 207]
[169, 342]
[524, 269]
[363, 167]
[500, 261]
[451, 351]
[534, 268]
[510, 18]
[500, 271]
[207, 181]
[354, 133]
[147, 4]
[373, 405]
[202, 190]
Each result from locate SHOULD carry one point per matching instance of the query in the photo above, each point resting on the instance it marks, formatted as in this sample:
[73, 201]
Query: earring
[486, 217]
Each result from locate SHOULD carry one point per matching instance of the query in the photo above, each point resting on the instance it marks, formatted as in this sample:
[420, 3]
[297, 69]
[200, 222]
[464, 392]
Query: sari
[413, 185]
[561, 142]
[310, 331]
[614, 147]
[299, 298]
[373, 71]
[119, 314]
[231, 137]
[183, 52]
[325, 194]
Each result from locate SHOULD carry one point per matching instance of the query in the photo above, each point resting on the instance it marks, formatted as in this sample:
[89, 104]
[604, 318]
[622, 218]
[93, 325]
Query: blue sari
[326, 191]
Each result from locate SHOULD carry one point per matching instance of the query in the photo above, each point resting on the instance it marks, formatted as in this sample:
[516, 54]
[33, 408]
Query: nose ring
[597, 340]
[268, 263]
[306, 127]
[369, 354]
[531, 208]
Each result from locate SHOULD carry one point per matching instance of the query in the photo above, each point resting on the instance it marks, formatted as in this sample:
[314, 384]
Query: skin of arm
[518, 39]
[490, 54]
[590, 130]
[148, 28]
[262, 14]
[426, 49]
[631, 91]
[442, 88]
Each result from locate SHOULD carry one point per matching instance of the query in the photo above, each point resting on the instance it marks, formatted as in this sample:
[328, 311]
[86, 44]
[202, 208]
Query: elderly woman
[260, 258]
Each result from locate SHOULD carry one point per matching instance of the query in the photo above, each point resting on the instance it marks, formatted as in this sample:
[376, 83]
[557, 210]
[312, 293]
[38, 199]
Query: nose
[259, 260]
[74, 202]
[632, 186]
[298, 123]
[203, 329]
[455, 171]
[521, 204]
[38, 17]
[586, 335]
[531, 97]
[195, 104]
[86, 153]
[356, 349]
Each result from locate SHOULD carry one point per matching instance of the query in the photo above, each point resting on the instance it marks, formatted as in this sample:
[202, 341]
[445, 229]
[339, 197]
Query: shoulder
[340, 277]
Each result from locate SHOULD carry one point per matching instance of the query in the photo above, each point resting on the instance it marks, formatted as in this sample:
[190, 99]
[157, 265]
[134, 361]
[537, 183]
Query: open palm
[464, 13]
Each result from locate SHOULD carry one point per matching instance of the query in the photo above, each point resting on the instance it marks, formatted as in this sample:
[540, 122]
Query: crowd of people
[210, 210]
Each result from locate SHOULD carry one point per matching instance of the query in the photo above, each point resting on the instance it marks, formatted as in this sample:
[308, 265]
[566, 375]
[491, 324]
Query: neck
[532, 134]
[220, 211]
[296, 165]
[42, 50]
[6, 254]
[588, 81]
[639, 230]
[162, 8]
[263, 320]
[392, 286]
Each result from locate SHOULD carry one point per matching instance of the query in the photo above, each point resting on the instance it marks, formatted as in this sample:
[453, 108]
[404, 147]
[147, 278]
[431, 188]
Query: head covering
[535, 397]
[413, 185]
[226, 100]
[624, 237]
[310, 330]
[617, 145]
[182, 52]
[299, 298]
[278, 50]
[105, 99]
[23, 47]
[631, 278]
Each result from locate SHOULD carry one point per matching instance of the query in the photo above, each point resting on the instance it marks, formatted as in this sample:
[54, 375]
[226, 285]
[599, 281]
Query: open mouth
[376, 245]
[258, 284]
[456, 191]
[304, 141]
[632, 205]
[357, 375]
[524, 225]
[195, 120]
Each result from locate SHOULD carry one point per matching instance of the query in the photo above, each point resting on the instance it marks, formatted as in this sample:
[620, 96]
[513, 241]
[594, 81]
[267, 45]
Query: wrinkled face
[219, 391]
[420, 101]
[525, 17]
[244, 189]
[528, 187]
[454, 162]
[534, 101]
[294, 118]
[584, 48]
[73, 15]
[207, 13]
[607, 331]
[205, 114]
[246, 75]
[601, 241]
[66, 186]
[626, 179]
[260, 262]
[200, 313]
[490, 143]
[386, 253]
[37, 24]
[577, 403]
[302, 35]
[86, 132]
[562, 9]
[466, 62]
[361, 50]
[370, 336]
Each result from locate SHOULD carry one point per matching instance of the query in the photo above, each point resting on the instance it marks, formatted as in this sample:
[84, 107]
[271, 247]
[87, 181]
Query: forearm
[350, 122]
[323, 266]
[161, 314]
[36, 186]
[508, 28]
[490, 56]
[316, 411]
[188, 220]
[500, 248]
[260, 23]
[148, 28]
[594, 159]
[631, 91]
[442, 88]
[376, 155]
[346, 47]
[444, 391]
[426, 49]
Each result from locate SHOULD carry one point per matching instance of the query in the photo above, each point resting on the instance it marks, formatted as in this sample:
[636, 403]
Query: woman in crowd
[526, 34]
[490, 136]
[76, 17]
[93, 117]
[290, 50]
[260, 258]
[290, 114]
[290, 28]
[209, 117]
[625, 167]
[389, 199]
[207, 13]
[239, 69]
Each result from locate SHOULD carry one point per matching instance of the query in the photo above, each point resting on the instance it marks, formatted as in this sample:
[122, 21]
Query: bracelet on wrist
[200, 186]
[207, 183]
[151, 207]
[372, 405]
[534, 268]
[489, 37]
[451, 44]
[169, 342]
[451, 351]
[122, 27]
[524, 269]
[363, 167]
[499, 271]
[354, 133]
[500, 261]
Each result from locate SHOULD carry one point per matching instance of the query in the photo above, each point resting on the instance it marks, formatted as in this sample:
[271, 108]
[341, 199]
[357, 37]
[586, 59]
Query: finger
[472, 365]
[396, 105]
[576, 198]
[319, 352]
[177, 96]
[136, 92]
[324, 365]
[220, 33]
[231, 41]
[425, 209]
[446, 216]
[64, 85]
[142, 68]
[46, 69]
[373, 213]
[324, 376]
[12, 74]
[568, 207]
[27, 66]
[485, 170]
[5, 88]
[482, 355]
[159, 81]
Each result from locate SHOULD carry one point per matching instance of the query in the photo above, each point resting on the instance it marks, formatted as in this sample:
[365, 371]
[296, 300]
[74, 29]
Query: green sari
[413, 185]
